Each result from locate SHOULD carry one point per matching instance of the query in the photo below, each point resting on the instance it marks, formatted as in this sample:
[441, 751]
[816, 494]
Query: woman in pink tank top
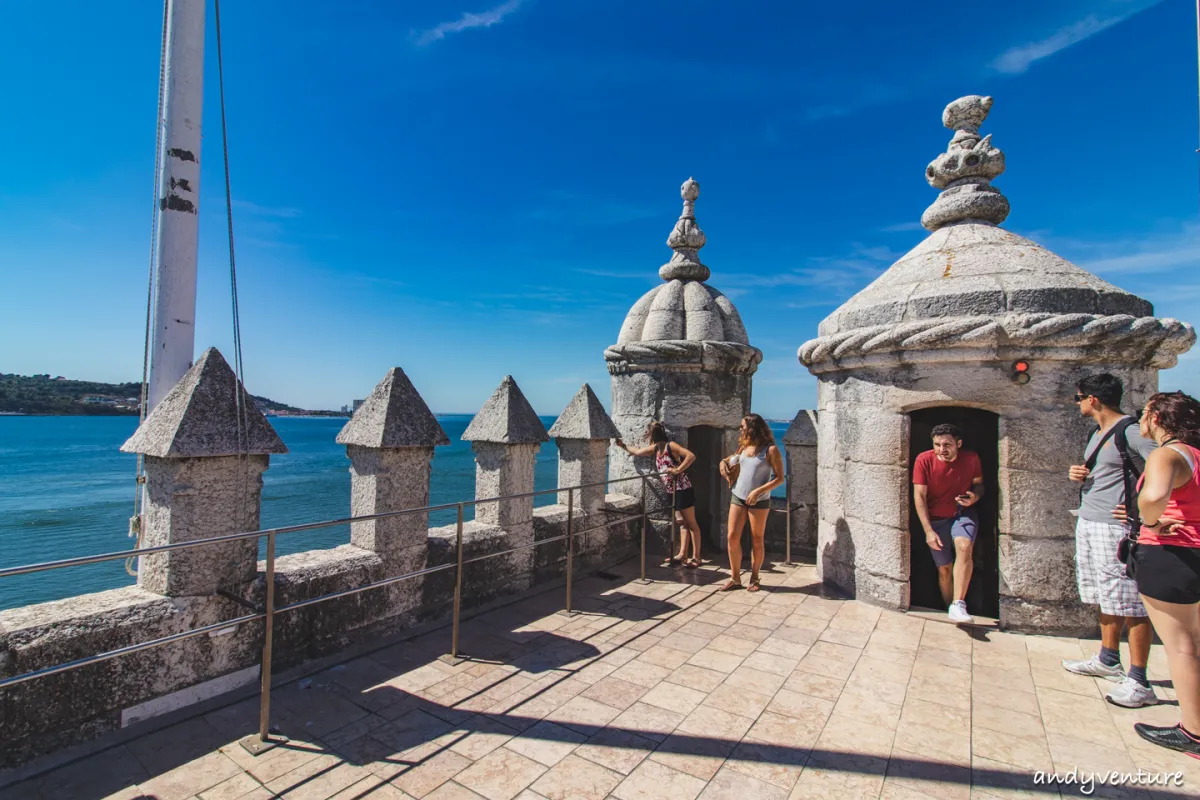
[1167, 558]
[671, 461]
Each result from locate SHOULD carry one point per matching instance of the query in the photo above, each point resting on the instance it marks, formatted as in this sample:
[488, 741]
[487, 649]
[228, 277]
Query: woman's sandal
[730, 585]
[691, 563]
[674, 562]
[754, 586]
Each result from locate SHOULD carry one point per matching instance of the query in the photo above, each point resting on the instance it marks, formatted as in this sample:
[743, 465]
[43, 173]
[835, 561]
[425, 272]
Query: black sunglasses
[1080, 397]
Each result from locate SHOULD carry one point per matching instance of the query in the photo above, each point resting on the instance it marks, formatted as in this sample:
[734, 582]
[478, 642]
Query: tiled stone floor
[664, 690]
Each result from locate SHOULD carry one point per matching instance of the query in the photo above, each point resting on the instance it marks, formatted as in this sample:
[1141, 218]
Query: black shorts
[1169, 573]
[684, 498]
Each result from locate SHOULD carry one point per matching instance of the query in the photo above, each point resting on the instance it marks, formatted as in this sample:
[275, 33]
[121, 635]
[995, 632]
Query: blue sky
[470, 188]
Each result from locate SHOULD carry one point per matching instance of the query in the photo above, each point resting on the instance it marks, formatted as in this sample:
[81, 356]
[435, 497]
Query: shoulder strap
[1129, 474]
[1130, 459]
[1091, 460]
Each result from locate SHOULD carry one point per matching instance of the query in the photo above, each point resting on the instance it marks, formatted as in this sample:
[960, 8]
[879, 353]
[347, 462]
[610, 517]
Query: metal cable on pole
[135, 522]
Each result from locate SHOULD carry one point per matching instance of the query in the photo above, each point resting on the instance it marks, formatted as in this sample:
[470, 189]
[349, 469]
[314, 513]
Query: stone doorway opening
[707, 443]
[981, 433]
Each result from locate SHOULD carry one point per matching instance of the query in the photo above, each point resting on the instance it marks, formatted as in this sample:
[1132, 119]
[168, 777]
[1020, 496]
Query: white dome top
[683, 310]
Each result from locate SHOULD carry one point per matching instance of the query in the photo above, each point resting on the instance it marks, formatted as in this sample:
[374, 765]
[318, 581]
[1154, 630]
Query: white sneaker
[1131, 694]
[1093, 667]
[958, 612]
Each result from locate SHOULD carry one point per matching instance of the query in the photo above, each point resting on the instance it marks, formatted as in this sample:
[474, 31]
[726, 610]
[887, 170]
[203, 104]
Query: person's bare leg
[737, 521]
[1110, 631]
[682, 531]
[758, 531]
[963, 566]
[1141, 633]
[692, 531]
[946, 583]
[1178, 626]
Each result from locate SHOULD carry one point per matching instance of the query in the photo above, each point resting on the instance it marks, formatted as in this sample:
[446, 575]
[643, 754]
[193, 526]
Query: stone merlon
[506, 418]
[584, 418]
[199, 417]
[394, 415]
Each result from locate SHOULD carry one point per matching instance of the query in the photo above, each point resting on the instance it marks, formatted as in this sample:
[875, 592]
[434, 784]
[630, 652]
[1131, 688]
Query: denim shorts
[963, 526]
[764, 503]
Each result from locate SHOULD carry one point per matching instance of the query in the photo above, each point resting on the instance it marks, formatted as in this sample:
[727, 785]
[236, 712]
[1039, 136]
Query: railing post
[256, 745]
[787, 510]
[570, 546]
[454, 657]
[674, 523]
[645, 521]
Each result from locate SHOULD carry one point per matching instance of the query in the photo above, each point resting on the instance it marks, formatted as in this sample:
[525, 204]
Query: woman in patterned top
[671, 461]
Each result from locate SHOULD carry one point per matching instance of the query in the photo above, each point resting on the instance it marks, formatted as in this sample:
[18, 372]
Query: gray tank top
[755, 471]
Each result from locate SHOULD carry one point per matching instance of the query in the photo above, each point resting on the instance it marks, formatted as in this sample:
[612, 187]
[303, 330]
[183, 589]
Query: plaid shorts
[1101, 576]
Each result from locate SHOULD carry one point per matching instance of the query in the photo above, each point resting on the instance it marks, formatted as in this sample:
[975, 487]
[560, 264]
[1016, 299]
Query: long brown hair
[656, 432]
[1178, 414]
[757, 434]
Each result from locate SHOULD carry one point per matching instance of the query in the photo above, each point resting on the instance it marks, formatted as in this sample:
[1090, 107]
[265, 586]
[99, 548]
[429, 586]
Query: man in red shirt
[947, 481]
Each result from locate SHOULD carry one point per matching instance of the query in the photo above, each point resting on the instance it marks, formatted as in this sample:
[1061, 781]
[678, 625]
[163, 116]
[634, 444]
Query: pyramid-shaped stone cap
[803, 429]
[584, 418]
[394, 415]
[199, 417]
[506, 418]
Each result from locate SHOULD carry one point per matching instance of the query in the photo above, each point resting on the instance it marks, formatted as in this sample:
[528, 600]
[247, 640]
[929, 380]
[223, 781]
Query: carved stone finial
[686, 239]
[965, 171]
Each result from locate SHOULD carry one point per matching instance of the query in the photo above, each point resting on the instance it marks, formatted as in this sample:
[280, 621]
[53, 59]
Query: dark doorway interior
[706, 442]
[981, 432]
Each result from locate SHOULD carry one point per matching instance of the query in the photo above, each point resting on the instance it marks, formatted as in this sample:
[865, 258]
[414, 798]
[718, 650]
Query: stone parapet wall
[48, 713]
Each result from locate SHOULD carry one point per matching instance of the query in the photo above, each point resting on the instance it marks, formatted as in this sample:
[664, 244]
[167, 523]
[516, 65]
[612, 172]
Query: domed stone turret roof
[971, 284]
[684, 319]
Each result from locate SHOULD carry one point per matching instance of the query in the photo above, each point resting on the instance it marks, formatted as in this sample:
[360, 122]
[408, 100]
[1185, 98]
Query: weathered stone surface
[1037, 504]
[1064, 619]
[502, 470]
[582, 462]
[879, 549]
[383, 480]
[66, 708]
[877, 494]
[506, 418]
[394, 415]
[803, 430]
[201, 416]
[1044, 440]
[871, 434]
[1039, 569]
[584, 418]
[199, 498]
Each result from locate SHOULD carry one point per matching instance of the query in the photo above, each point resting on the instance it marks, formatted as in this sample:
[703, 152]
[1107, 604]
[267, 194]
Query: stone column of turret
[682, 357]
[505, 435]
[390, 441]
[205, 453]
[583, 432]
[800, 444]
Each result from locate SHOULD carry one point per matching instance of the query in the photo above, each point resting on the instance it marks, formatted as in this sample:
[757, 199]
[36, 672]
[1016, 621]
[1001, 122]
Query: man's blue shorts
[964, 526]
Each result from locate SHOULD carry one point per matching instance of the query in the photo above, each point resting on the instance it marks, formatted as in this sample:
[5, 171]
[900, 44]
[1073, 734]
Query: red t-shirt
[946, 481]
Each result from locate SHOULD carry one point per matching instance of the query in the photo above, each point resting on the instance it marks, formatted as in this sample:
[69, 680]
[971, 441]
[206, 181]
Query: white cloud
[1172, 250]
[902, 227]
[281, 212]
[1018, 59]
[467, 21]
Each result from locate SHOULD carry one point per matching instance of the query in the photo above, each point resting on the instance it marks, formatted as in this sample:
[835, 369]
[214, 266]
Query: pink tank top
[1184, 504]
[663, 462]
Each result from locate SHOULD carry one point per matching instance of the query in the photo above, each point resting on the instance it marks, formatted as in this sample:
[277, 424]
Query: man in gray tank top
[1100, 574]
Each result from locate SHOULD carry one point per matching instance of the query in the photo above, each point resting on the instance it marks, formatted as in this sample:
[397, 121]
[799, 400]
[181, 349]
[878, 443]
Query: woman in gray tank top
[760, 469]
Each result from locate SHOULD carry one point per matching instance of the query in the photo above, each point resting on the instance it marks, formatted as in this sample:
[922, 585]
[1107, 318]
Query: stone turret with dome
[683, 357]
[937, 337]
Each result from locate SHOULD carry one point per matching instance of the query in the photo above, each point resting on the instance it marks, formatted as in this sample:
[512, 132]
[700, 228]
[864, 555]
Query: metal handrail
[269, 580]
[267, 615]
[308, 526]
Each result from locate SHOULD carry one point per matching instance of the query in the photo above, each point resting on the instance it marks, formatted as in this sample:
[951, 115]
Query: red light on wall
[1021, 372]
